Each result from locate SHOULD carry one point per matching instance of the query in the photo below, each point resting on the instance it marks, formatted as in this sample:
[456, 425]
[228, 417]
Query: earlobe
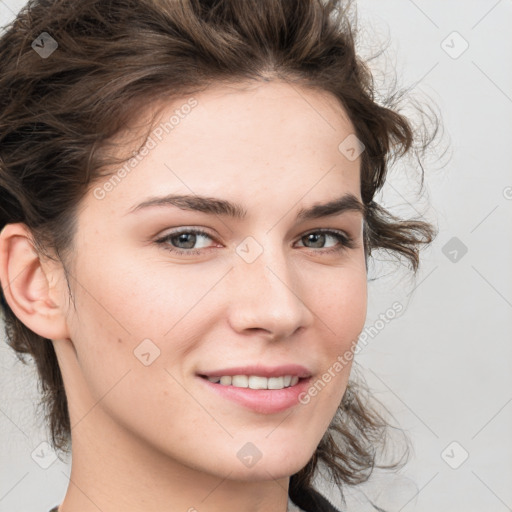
[25, 283]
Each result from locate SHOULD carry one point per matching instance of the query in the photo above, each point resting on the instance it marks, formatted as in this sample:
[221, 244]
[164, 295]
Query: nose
[268, 295]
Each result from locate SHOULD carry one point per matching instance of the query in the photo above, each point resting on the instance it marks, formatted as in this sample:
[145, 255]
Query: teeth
[275, 383]
[240, 381]
[258, 382]
[255, 381]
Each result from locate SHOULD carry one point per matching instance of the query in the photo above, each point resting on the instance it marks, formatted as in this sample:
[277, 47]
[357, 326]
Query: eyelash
[347, 242]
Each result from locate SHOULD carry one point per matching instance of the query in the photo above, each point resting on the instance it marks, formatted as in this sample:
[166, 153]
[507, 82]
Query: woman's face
[260, 293]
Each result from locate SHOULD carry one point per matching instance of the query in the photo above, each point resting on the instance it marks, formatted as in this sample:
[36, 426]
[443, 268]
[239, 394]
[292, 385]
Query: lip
[295, 370]
[263, 401]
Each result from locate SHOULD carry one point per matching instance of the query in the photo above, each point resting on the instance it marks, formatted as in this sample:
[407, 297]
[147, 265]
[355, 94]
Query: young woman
[187, 213]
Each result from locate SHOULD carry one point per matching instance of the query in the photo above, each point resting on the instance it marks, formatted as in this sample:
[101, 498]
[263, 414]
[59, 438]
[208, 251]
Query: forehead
[242, 138]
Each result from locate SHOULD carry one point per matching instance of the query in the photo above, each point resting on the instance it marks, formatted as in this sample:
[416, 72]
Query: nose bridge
[266, 293]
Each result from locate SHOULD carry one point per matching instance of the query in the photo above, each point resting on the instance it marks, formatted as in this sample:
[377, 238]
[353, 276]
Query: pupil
[316, 235]
[182, 239]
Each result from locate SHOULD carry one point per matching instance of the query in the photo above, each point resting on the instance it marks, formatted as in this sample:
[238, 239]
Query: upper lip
[262, 371]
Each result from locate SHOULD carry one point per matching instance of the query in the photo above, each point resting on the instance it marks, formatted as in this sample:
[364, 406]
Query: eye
[320, 236]
[183, 241]
[186, 238]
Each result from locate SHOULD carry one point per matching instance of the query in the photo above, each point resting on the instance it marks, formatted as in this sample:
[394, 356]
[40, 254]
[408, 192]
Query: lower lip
[264, 401]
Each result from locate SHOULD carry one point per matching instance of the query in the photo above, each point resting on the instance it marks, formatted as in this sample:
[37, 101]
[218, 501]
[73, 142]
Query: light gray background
[444, 367]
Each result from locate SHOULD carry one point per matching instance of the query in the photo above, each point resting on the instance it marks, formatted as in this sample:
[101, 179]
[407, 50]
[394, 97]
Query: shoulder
[310, 500]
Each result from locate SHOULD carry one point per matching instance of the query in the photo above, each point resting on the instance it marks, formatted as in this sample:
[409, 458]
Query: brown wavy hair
[60, 114]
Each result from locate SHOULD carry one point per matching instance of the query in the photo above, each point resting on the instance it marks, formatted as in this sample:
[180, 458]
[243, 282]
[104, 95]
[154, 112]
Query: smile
[255, 381]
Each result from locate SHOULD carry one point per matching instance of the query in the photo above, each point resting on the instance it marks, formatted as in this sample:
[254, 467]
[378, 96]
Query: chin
[265, 472]
[275, 465]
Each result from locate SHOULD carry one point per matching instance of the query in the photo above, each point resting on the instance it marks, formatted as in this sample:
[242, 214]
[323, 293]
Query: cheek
[342, 311]
[122, 352]
[343, 308]
[128, 298]
[125, 309]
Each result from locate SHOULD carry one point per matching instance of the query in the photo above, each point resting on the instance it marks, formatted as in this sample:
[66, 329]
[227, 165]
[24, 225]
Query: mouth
[255, 381]
[263, 390]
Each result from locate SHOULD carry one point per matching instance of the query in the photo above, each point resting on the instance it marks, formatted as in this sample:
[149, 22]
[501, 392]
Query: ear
[32, 286]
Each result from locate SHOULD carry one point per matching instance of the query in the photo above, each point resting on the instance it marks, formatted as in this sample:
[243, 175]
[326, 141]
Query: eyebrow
[216, 206]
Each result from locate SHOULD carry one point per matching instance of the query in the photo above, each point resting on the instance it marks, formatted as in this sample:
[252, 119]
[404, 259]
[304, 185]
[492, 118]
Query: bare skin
[155, 436]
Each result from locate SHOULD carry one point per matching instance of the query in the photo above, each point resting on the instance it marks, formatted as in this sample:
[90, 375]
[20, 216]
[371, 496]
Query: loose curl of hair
[59, 115]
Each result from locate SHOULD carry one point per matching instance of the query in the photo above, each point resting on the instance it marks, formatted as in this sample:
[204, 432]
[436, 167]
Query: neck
[116, 472]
